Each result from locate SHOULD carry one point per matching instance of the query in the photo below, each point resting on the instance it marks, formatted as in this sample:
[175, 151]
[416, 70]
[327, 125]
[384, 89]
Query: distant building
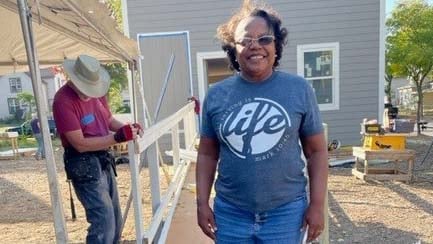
[407, 96]
[13, 84]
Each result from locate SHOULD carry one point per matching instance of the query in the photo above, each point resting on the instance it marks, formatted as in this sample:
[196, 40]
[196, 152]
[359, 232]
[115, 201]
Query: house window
[13, 105]
[319, 64]
[15, 85]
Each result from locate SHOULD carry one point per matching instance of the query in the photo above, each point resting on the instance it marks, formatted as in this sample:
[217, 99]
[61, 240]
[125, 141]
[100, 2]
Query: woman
[256, 125]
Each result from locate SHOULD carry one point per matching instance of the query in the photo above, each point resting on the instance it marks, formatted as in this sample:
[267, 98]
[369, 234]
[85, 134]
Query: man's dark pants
[101, 202]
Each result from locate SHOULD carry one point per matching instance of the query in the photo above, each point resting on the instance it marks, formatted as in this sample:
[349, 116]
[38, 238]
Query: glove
[196, 104]
[123, 134]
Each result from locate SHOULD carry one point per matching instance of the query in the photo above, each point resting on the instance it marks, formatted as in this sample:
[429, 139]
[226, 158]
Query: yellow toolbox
[386, 141]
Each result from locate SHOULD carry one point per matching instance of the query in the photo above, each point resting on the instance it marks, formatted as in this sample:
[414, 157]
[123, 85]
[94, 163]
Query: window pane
[317, 64]
[12, 105]
[15, 85]
[323, 90]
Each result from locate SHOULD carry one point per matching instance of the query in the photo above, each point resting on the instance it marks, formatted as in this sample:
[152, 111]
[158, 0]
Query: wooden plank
[393, 155]
[358, 174]
[381, 171]
[397, 156]
[185, 154]
[380, 175]
[158, 214]
[386, 177]
[134, 162]
[153, 133]
[175, 145]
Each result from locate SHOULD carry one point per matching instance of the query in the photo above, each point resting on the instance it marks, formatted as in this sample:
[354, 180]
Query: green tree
[117, 71]
[391, 71]
[116, 8]
[409, 44]
[119, 82]
[27, 98]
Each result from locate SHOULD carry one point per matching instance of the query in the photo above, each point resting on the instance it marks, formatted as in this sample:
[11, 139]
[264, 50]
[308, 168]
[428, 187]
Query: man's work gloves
[128, 132]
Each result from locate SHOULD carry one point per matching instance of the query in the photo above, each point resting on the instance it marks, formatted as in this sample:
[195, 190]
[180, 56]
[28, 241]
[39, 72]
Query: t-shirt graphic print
[255, 127]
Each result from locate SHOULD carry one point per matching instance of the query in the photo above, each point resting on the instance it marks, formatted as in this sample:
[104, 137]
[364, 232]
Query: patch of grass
[23, 142]
[26, 142]
[4, 127]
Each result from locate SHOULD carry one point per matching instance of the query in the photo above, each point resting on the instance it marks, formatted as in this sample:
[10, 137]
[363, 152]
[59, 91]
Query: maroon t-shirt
[71, 113]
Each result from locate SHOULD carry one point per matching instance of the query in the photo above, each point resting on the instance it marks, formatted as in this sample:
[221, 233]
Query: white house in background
[396, 85]
[406, 95]
[13, 84]
[126, 100]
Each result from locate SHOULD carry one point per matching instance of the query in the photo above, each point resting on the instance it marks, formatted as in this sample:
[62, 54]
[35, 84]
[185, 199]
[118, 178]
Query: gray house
[338, 45]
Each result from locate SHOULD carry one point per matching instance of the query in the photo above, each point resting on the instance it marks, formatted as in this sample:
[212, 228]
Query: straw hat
[87, 74]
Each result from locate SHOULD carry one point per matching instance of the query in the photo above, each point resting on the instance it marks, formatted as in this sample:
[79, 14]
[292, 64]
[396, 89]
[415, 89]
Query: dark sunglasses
[262, 41]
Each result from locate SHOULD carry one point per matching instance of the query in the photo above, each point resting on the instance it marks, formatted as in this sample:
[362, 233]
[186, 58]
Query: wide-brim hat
[87, 74]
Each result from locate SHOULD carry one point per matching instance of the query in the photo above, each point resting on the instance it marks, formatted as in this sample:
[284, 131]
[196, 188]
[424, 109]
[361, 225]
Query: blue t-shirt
[258, 126]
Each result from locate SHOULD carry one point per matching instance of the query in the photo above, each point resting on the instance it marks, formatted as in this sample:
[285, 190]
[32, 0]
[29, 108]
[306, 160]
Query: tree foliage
[27, 98]
[409, 44]
[117, 71]
[119, 80]
[116, 8]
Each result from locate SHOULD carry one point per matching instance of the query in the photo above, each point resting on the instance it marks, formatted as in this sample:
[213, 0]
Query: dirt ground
[360, 212]
[25, 204]
[383, 211]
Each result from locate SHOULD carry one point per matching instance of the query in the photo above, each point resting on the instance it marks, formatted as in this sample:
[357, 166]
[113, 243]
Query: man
[84, 122]
[36, 131]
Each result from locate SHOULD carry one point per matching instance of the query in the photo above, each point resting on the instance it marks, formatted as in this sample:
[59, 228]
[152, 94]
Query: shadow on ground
[344, 230]
[26, 208]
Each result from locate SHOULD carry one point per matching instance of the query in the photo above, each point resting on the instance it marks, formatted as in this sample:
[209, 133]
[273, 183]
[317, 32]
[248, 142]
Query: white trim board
[335, 48]
[202, 72]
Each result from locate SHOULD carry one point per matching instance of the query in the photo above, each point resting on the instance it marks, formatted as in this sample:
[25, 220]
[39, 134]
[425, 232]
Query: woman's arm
[316, 152]
[207, 160]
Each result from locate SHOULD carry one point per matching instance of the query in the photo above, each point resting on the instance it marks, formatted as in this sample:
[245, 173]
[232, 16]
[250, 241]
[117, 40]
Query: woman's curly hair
[226, 31]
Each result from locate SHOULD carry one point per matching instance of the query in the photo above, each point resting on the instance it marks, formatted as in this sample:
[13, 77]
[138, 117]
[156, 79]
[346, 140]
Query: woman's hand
[206, 220]
[314, 219]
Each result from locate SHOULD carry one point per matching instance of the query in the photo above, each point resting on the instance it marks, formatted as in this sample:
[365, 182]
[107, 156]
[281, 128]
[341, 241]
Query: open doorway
[211, 68]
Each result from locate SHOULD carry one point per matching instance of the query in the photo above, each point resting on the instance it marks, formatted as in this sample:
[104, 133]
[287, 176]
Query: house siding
[354, 24]
[5, 92]
[48, 82]
[155, 69]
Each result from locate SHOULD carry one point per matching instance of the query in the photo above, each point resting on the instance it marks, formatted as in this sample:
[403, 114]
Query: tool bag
[87, 166]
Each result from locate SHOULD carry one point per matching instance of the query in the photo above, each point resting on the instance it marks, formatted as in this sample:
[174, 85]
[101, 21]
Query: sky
[390, 4]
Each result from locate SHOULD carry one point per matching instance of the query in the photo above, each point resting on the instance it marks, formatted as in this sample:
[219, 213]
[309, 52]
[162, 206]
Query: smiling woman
[251, 127]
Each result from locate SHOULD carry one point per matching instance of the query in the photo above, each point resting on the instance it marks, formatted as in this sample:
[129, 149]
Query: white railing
[163, 206]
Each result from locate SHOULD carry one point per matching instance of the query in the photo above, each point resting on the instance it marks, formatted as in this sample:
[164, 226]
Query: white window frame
[334, 47]
[15, 85]
[202, 57]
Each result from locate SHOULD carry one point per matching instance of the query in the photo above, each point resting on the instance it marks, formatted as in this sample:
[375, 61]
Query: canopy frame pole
[73, 7]
[41, 104]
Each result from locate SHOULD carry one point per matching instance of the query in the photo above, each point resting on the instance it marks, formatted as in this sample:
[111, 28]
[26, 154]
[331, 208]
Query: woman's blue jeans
[277, 226]
[101, 202]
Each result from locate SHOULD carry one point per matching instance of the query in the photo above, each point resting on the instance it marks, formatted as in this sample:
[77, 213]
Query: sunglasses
[262, 41]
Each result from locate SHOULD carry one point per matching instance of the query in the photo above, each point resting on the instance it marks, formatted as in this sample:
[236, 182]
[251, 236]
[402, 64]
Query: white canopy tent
[42, 33]
[68, 28]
